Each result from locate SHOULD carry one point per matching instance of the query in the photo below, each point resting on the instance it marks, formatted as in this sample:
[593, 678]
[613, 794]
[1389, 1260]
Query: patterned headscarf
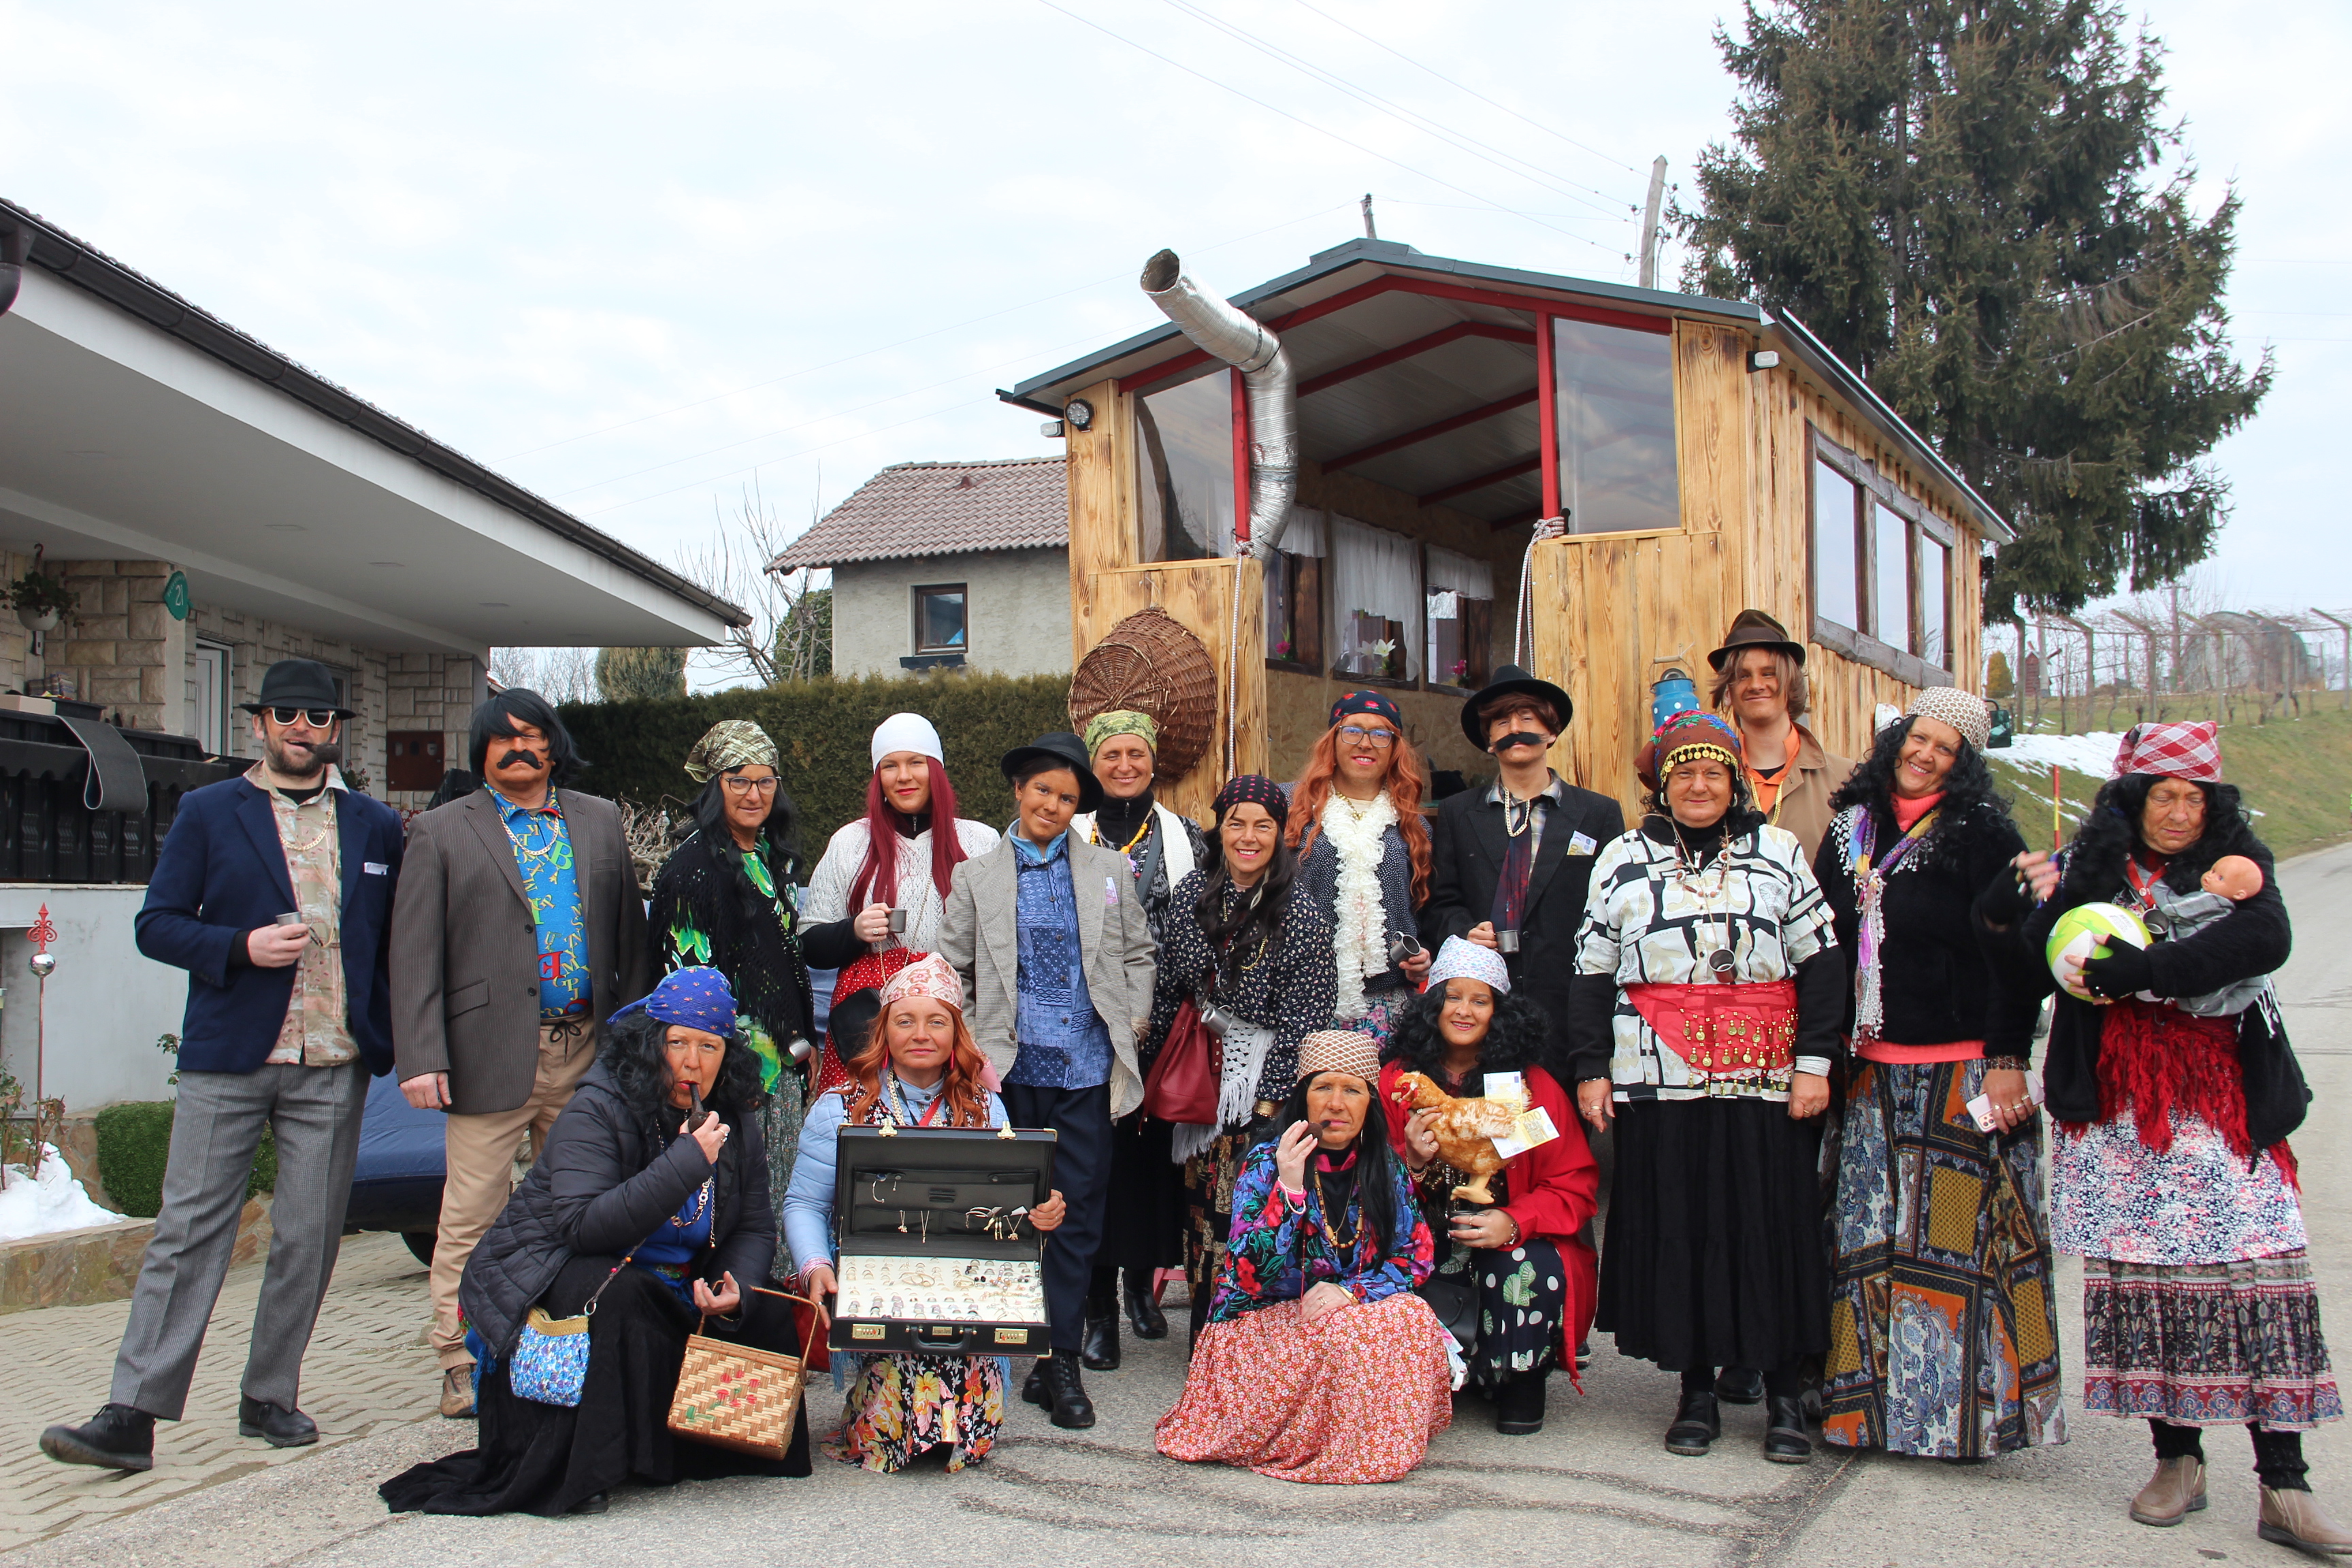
[1339, 1050]
[1459, 960]
[1697, 733]
[2189, 751]
[697, 998]
[927, 976]
[1121, 722]
[731, 743]
[1371, 703]
[1950, 705]
[1255, 789]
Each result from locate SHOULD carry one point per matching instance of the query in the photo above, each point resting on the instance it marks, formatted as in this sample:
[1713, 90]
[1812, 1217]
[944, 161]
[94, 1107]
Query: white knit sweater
[827, 899]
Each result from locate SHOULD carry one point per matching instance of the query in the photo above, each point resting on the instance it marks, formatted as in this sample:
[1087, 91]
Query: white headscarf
[908, 732]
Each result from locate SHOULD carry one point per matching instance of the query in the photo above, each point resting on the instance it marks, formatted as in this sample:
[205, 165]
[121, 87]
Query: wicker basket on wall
[1149, 662]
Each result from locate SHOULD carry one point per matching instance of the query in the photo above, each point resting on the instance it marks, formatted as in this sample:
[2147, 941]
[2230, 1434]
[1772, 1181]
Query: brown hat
[1753, 628]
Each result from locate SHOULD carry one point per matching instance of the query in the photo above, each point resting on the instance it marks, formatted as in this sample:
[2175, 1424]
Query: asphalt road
[1595, 1487]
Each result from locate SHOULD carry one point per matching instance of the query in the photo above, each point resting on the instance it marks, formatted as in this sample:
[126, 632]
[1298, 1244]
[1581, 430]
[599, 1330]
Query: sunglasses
[1357, 735]
[317, 718]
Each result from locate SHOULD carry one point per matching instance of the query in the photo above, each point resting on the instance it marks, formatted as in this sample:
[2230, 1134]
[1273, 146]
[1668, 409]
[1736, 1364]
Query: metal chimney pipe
[1224, 331]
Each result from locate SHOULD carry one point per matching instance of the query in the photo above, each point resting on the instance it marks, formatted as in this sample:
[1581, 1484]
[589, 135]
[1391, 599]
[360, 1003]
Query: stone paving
[368, 1368]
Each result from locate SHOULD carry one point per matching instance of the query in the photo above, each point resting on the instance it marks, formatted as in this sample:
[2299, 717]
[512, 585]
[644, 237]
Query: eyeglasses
[317, 718]
[1357, 735]
[750, 786]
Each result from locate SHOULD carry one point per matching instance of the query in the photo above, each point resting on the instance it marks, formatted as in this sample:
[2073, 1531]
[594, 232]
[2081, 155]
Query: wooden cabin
[1685, 456]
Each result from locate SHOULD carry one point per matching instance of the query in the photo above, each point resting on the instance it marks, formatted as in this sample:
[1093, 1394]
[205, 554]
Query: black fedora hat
[299, 683]
[1064, 750]
[1753, 628]
[1511, 680]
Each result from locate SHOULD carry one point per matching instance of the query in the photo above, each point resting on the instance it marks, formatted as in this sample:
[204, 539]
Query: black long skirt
[1713, 1254]
[1143, 1219]
[549, 1459]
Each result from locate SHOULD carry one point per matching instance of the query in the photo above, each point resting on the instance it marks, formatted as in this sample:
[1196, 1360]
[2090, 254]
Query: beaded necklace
[1341, 1245]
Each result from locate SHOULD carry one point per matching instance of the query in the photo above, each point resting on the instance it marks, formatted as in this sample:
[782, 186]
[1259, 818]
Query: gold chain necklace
[1342, 1246]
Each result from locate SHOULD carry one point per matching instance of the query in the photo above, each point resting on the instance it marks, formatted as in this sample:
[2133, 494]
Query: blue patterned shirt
[1063, 1042]
[542, 852]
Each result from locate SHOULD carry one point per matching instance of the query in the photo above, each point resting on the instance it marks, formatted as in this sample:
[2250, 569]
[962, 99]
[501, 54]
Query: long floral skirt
[1351, 1398]
[1943, 1327]
[901, 1405]
[2207, 1345]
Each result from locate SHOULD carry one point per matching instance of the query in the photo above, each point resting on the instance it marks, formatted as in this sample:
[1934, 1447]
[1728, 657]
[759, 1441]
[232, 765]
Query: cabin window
[1376, 593]
[1184, 469]
[1836, 531]
[1935, 601]
[1882, 570]
[1294, 594]
[1890, 599]
[1460, 610]
[941, 618]
[1613, 401]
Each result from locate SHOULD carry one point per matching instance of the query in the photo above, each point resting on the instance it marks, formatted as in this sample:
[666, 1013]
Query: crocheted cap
[908, 732]
[731, 743]
[1255, 789]
[1339, 1050]
[1950, 705]
[697, 998]
[1459, 960]
[2188, 750]
[927, 976]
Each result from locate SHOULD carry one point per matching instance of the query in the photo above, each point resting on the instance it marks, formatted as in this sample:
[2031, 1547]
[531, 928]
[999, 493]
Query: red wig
[1404, 782]
[877, 874]
[965, 1090]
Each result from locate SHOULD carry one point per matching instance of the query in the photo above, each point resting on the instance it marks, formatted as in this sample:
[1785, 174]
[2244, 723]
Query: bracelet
[1517, 1235]
[2004, 1064]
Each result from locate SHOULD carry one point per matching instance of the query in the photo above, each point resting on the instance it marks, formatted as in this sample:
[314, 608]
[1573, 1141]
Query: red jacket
[1555, 1189]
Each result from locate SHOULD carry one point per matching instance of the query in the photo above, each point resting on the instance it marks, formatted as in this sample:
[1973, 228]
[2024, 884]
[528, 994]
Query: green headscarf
[731, 743]
[1121, 722]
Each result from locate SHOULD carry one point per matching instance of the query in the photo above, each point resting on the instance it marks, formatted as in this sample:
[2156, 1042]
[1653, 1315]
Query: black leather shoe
[117, 1439]
[594, 1502]
[1072, 1408]
[1697, 1424]
[1032, 1387]
[1739, 1385]
[1099, 1349]
[1786, 1441]
[1520, 1405]
[283, 1428]
[1143, 1313]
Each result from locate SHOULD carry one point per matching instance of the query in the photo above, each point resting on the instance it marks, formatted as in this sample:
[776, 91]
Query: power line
[1411, 119]
[1320, 131]
[1580, 146]
[1458, 207]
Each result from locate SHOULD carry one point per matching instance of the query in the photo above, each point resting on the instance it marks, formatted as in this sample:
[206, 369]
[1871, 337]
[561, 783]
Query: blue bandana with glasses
[697, 998]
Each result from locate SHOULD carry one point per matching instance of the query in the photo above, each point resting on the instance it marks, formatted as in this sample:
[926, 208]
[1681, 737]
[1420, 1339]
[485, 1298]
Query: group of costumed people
[1781, 1028]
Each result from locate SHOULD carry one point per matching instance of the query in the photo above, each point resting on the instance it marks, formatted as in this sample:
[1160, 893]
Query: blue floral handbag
[549, 1365]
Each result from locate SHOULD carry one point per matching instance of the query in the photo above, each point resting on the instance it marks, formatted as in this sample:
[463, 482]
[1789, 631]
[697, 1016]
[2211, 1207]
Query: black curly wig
[1514, 1042]
[632, 1054]
[2094, 860]
[1969, 792]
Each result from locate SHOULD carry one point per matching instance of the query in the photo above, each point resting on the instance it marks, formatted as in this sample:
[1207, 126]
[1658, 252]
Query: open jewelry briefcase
[935, 1253]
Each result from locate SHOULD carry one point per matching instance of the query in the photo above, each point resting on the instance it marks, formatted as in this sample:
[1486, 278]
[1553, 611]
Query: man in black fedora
[1510, 864]
[274, 892]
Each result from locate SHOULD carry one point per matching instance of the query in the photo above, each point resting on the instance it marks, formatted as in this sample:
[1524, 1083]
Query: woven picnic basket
[737, 1396]
[1149, 662]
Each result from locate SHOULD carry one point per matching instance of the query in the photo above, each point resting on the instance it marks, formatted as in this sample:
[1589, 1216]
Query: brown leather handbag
[1183, 1083]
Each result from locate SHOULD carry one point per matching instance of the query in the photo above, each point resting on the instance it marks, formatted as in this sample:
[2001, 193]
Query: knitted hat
[1255, 789]
[1459, 960]
[1693, 732]
[696, 998]
[927, 976]
[908, 732]
[1121, 722]
[1339, 1050]
[1950, 705]
[2189, 751]
[1371, 703]
[731, 743]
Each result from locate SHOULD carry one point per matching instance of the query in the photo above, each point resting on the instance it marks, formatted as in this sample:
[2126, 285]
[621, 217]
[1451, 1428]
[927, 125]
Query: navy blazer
[222, 872]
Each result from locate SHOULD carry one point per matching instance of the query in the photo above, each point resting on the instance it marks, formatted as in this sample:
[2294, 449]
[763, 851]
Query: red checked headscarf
[2187, 750]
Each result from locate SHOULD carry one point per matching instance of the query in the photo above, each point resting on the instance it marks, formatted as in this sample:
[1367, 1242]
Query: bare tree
[790, 633]
[558, 673]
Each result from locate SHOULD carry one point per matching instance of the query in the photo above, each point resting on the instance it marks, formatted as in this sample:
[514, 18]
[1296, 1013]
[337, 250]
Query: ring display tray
[934, 1252]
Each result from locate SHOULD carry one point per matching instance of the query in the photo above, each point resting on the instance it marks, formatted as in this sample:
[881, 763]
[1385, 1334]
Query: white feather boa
[1360, 922]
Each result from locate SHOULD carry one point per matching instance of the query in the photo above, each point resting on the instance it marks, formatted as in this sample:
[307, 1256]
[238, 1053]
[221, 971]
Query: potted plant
[40, 600]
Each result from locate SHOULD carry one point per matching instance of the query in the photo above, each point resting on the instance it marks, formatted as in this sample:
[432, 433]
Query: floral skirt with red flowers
[902, 1405]
[1352, 1398]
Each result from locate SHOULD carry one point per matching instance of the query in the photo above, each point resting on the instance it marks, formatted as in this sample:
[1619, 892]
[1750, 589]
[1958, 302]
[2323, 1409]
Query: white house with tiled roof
[948, 566]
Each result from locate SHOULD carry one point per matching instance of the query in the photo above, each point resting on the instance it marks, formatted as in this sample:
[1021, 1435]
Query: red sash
[1744, 1033]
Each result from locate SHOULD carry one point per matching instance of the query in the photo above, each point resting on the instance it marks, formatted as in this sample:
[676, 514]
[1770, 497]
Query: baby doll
[2234, 878]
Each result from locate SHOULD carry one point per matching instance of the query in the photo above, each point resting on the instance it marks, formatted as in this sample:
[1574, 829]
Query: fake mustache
[519, 758]
[1519, 738]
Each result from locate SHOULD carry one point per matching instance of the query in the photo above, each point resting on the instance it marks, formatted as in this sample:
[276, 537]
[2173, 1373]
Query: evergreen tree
[623, 673]
[1966, 200]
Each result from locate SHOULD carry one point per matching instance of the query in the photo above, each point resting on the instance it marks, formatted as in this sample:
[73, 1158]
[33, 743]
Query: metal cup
[1400, 948]
[898, 922]
[1507, 942]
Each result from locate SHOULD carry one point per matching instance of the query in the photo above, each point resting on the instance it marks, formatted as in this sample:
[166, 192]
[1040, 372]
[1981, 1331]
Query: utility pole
[2345, 627]
[1650, 223]
[1370, 232]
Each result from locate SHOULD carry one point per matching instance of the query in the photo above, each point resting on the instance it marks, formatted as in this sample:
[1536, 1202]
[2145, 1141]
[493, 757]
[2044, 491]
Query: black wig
[1969, 792]
[1514, 1042]
[783, 824]
[2094, 861]
[632, 1054]
[1375, 1186]
[495, 720]
[1257, 921]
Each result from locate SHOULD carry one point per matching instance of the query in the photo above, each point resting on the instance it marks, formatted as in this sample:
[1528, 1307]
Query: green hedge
[134, 1144]
[823, 728]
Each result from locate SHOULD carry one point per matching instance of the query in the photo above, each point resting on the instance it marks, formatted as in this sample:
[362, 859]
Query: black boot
[283, 1428]
[1520, 1405]
[1697, 1423]
[1786, 1441]
[1032, 1387]
[1143, 1313]
[1071, 1406]
[117, 1439]
[1739, 1385]
[1099, 1348]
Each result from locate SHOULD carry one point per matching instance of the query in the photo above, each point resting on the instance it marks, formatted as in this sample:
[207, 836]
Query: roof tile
[911, 510]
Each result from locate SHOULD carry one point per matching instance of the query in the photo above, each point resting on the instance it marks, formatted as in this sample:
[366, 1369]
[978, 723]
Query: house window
[415, 759]
[941, 618]
[1461, 619]
[1294, 593]
[1935, 601]
[1613, 404]
[1184, 469]
[1836, 583]
[1882, 570]
[1376, 593]
[1890, 600]
[208, 692]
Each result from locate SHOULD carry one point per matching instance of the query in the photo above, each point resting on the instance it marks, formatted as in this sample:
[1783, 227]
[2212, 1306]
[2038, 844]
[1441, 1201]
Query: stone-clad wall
[124, 649]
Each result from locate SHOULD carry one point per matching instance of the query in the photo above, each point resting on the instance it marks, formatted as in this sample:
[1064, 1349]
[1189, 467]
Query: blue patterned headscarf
[697, 998]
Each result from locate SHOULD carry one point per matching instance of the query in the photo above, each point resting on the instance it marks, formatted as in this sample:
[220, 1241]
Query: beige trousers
[479, 1155]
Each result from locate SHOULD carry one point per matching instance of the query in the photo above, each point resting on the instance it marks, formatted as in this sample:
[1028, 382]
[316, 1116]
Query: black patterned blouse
[1288, 985]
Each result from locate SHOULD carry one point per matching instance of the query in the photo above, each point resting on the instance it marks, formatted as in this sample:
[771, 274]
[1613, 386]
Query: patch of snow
[47, 1201]
[2094, 754]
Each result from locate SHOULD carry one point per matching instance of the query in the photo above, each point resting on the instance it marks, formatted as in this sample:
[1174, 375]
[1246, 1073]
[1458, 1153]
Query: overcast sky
[641, 259]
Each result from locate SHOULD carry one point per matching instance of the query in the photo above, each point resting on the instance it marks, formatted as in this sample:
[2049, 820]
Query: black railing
[48, 835]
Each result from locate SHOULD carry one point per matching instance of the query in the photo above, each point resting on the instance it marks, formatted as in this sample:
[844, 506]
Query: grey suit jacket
[980, 938]
[465, 946]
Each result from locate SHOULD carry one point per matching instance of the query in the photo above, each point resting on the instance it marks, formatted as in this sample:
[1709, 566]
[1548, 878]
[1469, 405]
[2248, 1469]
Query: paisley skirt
[902, 1405]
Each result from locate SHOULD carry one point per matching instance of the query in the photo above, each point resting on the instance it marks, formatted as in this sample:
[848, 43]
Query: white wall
[93, 1026]
[1019, 610]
